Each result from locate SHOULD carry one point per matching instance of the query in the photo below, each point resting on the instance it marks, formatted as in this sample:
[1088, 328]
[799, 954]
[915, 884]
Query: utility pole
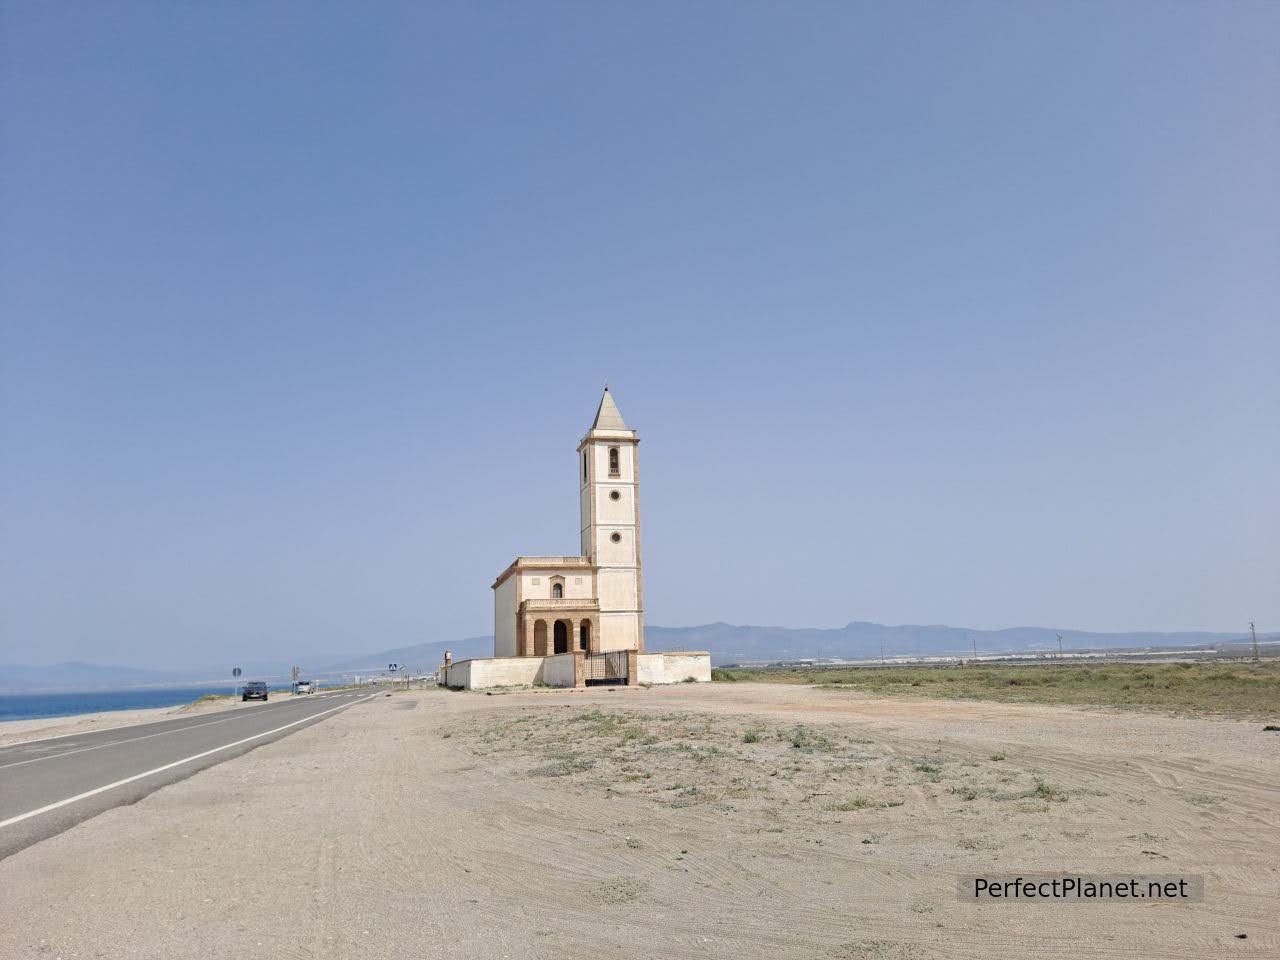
[1254, 633]
[1059, 646]
[975, 646]
[882, 653]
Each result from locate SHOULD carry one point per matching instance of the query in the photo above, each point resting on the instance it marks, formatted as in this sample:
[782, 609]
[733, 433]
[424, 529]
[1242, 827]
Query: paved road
[49, 785]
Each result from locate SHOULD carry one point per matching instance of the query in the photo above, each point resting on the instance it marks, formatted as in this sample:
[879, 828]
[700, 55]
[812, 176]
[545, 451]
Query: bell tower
[609, 488]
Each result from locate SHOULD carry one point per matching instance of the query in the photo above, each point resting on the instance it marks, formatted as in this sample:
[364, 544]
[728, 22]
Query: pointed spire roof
[607, 416]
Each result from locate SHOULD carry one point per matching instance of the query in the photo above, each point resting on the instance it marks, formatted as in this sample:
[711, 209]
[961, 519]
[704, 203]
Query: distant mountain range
[727, 643]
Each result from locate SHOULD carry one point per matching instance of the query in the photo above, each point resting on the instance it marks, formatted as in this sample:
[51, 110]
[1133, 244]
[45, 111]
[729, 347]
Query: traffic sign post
[235, 672]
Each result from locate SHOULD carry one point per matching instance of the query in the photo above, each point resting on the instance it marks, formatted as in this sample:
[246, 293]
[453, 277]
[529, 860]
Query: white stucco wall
[495, 672]
[600, 460]
[477, 674]
[621, 510]
[619, 631]
[456, 674]
[535, 584]
[558, 670]
[617, 588]
[504, 619]
[620, 554]
[673, 667]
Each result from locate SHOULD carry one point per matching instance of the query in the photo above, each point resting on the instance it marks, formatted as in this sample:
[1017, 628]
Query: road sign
[236, 672]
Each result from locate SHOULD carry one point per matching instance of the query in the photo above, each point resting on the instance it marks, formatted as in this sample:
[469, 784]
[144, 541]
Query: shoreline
[43, 728]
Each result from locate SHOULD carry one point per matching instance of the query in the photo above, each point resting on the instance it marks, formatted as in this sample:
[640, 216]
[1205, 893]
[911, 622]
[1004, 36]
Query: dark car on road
[254, 690]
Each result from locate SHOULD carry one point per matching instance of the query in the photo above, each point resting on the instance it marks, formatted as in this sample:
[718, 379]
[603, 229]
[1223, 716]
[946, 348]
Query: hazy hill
[728, 643]
[420, 656]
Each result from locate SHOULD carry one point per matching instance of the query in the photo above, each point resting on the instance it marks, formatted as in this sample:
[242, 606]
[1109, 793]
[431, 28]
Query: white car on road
[305, 686]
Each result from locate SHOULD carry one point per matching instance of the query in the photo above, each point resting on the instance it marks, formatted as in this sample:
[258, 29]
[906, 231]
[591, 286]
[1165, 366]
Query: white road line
[144, 723]
[113, 743]
[146, 736]
[169, 766]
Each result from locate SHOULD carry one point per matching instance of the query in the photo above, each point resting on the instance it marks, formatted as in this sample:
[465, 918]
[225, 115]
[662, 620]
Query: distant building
[592, 602]
[574, 621]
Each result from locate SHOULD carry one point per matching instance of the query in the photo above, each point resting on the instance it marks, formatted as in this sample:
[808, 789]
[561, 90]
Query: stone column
[633, 668]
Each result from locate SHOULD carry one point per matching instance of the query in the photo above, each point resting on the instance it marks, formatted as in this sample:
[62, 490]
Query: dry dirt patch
[765, 773]
[838, 825]
[712, 821]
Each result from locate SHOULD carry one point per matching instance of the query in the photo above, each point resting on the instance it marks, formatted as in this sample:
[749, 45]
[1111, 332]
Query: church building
[579, 620]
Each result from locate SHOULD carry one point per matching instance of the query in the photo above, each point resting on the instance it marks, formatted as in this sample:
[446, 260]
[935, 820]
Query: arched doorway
[540, 638]
[584, 635]
[561, 637]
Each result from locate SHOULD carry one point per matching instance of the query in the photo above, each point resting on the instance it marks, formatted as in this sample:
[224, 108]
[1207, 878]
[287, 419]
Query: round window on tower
[614, 495]
[616, 537]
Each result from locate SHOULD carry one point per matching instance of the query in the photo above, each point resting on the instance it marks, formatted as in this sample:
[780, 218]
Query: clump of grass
[802, 738]
[719, 675]
[752, 736]
[847, 806]
[699, 752]
[1049, 792]
[1238, 689]
[998, 757]
[597, 723]
[563, 767]
[1203, 799]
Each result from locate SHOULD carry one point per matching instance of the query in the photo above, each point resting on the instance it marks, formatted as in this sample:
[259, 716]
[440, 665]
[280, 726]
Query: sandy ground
[21, 731]
[643, 824]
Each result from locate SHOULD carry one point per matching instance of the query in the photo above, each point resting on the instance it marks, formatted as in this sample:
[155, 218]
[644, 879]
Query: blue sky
[926, 313]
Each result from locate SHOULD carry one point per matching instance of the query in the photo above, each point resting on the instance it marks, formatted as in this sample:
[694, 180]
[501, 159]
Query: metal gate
[606, 668]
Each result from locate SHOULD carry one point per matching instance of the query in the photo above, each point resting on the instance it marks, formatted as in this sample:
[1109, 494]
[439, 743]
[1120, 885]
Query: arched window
[557, 591]
[584, 466]
[613, 462]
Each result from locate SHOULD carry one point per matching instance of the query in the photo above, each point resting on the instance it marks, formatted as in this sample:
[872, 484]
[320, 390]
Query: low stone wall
[559, 670]
[562, 670]
[494, 672]
[674, 666]
[553, 671]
